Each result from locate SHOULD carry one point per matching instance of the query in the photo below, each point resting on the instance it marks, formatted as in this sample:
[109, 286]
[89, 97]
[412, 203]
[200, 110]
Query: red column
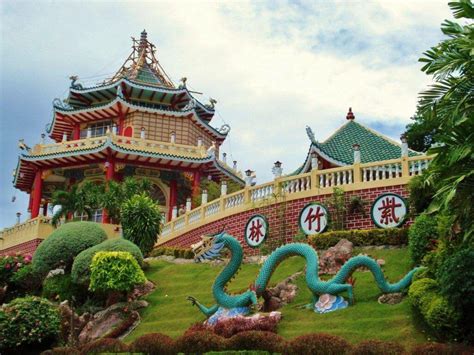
[121, 120]
[76, 133]
[38, 186]
[109, 175]
[30, 202]
[196, 183]
[173, 197]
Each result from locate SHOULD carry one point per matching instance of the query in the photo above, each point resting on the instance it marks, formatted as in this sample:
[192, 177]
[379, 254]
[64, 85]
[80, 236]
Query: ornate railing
[142, 144]
[36, 228]
[316, 182]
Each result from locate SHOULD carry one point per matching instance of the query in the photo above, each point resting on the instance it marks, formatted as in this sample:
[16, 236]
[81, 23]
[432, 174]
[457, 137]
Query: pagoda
[137, 123]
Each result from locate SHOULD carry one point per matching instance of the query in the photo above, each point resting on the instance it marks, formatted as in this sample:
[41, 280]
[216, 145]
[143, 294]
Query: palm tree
[448, 105]
[79, 199]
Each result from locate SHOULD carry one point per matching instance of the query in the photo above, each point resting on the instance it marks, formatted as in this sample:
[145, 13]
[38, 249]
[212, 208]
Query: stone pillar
[38, 187]
[204, 197]
[223, 188]
[174, 212]
[188, 204]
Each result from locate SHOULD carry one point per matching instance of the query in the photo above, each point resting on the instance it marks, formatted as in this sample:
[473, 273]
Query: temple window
[97, 129]
[96, 216]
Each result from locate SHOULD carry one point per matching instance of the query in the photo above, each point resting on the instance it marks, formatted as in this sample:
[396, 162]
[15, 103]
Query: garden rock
[113, 319]
[283, 293]
[142, 290]
[78, 322]
[332, 259]
[390, 298]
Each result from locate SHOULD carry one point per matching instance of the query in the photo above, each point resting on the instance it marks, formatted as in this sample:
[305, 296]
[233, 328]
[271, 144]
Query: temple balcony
[141, 144]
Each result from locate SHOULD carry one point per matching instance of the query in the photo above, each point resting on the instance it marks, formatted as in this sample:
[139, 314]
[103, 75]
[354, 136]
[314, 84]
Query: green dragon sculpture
[211, 246]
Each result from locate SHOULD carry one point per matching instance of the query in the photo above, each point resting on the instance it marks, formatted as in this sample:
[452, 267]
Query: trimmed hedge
[389, 236]
[62, 246]
[153, 343]
[182, 253]
[438, 313]
[60, 288]
[377, 347]
[422, 237]
[81, 272]
[104, 346]
[200, 342]
[318, 344]
[257, 340]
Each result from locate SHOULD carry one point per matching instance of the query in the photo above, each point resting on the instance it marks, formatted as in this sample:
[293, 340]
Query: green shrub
[81, 267]
[141, 221]
[199, 342]
[28, 321]
[60, 288]
[422, 236]
[456, 279]
[115, 271]
[421, 194]
[62, 246]
[318, 344]
[257, 340]
[377, 347]
[104, 346]
[439, 314]
[153, 343]
[389, 236]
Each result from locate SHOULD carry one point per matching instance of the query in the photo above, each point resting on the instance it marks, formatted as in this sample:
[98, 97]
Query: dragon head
[208, 248]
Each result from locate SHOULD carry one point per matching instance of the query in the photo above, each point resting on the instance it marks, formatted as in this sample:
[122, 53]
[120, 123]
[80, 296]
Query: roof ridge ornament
[73, 79]
[225, 129]
[212, 103]
[310, 134]
[350, 116]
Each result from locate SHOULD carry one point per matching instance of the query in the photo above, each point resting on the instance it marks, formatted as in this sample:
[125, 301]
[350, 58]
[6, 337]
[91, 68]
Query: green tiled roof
[145, 74]
[338, 147]
[373, 146]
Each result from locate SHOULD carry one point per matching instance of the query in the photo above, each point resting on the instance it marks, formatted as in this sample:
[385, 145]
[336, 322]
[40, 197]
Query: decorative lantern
[277, 169]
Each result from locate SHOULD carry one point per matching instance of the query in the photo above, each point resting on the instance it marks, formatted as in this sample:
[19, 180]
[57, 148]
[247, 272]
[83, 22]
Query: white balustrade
[337, 178]
[194, 216]
[416, 167]
[234, 200]
[166, 230]
[261, 192]
[297, 184]
[179, 223]
[212, 208]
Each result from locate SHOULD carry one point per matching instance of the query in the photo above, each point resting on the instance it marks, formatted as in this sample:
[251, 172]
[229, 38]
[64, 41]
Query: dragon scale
[334, 286]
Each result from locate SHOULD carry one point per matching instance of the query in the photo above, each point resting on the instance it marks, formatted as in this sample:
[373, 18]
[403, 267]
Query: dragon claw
[192, 299]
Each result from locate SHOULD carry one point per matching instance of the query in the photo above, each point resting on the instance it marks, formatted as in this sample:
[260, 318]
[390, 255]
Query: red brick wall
[23, 248]
[284, 229]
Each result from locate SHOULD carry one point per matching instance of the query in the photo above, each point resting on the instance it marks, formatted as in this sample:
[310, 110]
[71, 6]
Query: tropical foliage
[115, 271]
[141, 221]
[85, 198]
[446, 108]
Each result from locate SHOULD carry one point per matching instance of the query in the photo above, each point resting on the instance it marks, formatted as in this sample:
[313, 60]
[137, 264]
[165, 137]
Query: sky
[274, 67]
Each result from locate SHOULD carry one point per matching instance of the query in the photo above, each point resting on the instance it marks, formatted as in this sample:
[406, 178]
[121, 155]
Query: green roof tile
[373, 146]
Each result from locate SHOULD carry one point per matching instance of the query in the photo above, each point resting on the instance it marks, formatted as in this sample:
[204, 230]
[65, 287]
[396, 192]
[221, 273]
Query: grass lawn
[171, 314]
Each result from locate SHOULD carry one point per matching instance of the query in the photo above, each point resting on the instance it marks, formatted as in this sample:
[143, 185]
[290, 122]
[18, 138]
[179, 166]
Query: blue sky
[273, 66]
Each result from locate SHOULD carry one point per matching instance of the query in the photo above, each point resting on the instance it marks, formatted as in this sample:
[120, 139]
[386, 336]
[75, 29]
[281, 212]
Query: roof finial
[143, 40]
[350, 116]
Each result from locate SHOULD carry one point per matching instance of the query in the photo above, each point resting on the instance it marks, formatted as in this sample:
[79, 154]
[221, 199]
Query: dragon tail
[361, 260]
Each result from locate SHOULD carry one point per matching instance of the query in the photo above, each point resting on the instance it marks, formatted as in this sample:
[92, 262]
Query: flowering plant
[9, 264]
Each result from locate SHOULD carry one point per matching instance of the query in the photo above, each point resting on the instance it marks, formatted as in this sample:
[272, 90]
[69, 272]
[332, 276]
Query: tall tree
[448, 106]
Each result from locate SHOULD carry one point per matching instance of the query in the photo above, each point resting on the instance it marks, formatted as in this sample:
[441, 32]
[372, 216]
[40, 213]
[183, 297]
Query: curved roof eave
[314, 147]
[138, 107]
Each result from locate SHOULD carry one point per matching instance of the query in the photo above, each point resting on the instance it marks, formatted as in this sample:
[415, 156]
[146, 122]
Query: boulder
[391, 298]
[142, 290]
[283, 293]
[332, 259]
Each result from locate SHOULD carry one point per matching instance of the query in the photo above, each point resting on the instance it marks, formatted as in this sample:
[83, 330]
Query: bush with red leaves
[318, 344]
[200, 342]
[229, 327]
[153, 343]
[105, 345]
[257, 340]
[378, 347]
[442, 349]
